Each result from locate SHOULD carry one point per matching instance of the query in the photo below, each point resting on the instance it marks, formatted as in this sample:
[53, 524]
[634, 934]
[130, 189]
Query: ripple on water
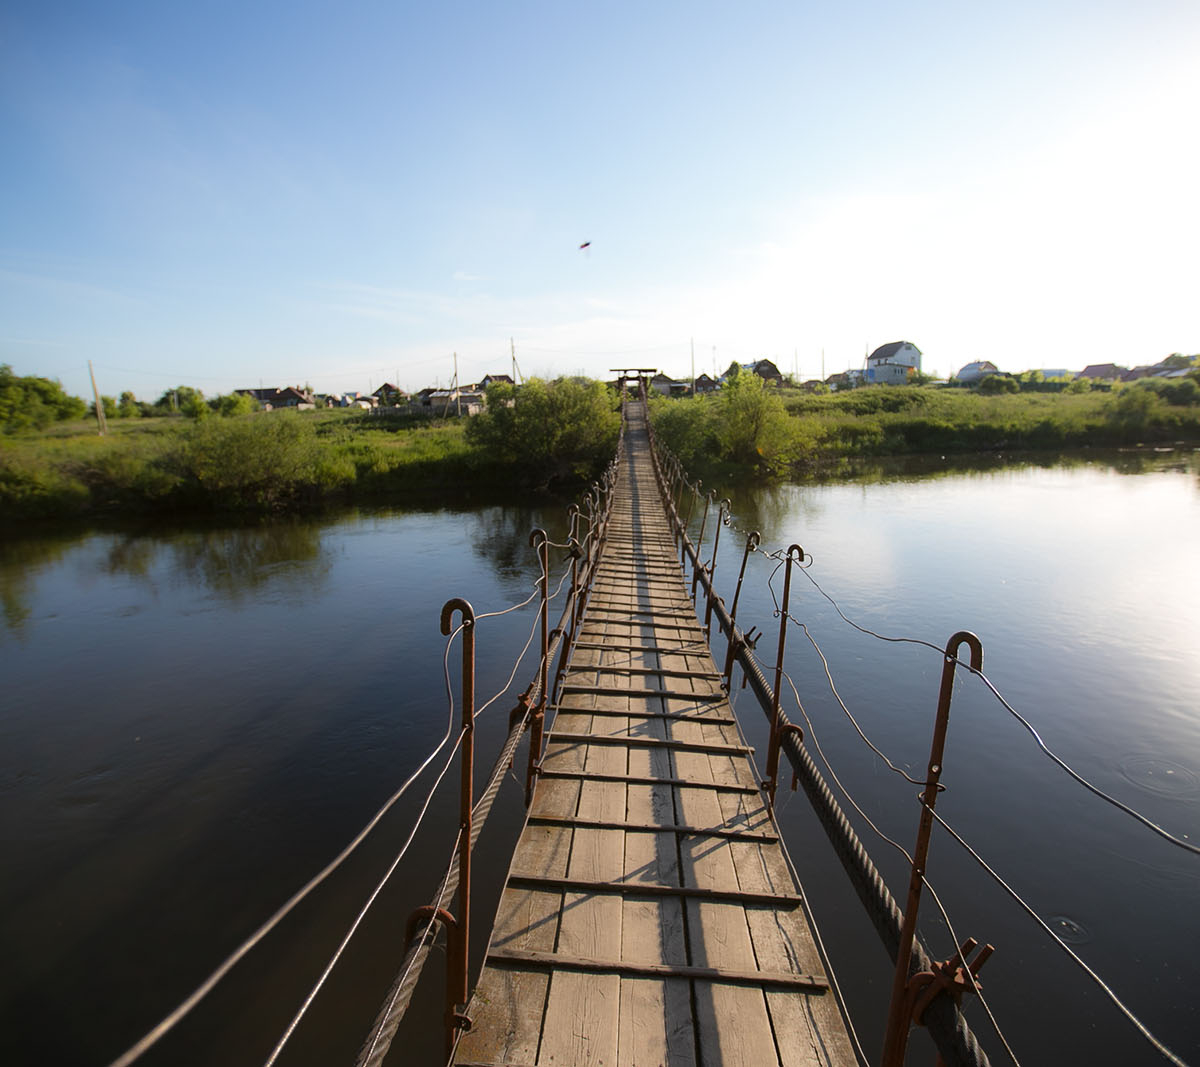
[1160, 776]
[1069, 930]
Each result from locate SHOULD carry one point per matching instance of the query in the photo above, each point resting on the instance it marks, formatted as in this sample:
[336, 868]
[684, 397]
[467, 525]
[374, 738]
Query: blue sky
[225, 194]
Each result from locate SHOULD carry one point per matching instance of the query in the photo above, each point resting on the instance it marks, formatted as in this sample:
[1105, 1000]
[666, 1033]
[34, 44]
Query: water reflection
[20, 563]
[235, 564]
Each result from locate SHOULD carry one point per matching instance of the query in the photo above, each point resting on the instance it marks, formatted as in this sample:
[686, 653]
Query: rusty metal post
[752, 542]
[896, 1035]
[712, 495]
[460, 945]
[683, 534]
[573, 541]
[539, 541]
[723, 513]
[776, 732]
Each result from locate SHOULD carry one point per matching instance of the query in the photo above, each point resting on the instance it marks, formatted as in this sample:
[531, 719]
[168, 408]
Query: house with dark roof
[499, 379]
[705, 384]
[272, 399]
[390, 394]
[892, 364]
[764, 368]
[1105, 372]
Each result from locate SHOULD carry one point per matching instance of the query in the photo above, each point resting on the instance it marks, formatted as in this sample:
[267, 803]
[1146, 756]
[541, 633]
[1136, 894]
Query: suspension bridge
[651, 914]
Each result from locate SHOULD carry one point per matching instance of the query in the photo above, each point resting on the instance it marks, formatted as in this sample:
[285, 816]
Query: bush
[259, 463]
[557, 431]
[34, 403]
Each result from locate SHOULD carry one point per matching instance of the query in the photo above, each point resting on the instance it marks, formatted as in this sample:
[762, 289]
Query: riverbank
[264, 463]
[805, 435]
[277, 462]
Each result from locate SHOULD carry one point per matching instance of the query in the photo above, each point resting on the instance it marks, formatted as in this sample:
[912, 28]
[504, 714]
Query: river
[194, 721]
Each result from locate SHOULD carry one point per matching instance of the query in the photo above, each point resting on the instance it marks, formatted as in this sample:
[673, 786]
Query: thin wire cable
[337, 955]
[842, 704]
[899, 848]
[1108, 992]
[1096, 790]
[975, 987]
[166, 1024]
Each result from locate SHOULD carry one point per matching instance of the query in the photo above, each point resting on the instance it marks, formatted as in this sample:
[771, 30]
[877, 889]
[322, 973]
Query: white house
[892, 364]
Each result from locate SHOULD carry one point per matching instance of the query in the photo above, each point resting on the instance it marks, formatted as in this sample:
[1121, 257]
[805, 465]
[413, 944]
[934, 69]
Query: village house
[273, 399]
[1104, 372]
[976, 372]
[764, 368]
[389, 394]
[893, 364]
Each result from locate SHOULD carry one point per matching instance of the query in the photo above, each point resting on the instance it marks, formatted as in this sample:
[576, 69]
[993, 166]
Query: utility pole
[822, 364]
[454, 388]
[693, 366]
[100, 420]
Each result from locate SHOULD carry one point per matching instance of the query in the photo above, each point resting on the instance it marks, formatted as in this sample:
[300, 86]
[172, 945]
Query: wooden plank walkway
[649, 917]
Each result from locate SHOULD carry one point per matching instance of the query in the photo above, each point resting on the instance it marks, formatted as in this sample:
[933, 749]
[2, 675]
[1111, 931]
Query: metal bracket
[425, 914]
[954, 976]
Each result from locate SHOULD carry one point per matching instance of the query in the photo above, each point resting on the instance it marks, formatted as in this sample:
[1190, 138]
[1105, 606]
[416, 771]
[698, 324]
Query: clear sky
[226, 194]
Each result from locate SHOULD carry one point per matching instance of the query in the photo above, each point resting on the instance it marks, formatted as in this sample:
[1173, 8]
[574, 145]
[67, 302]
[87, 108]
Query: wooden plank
[557, 961]
[631, 779]
[652, 742]
[581, 1021]
[675, 828]
[602, 886]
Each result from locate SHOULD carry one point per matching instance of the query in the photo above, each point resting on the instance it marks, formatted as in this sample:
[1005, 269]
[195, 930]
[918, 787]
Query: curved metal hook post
[752, 543]
[776, 725]
[539, 541]
[457, 977]
[723, 512]
[896, 1034]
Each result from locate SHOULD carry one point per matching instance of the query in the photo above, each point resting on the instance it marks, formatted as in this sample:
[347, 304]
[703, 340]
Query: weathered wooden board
[712, 961]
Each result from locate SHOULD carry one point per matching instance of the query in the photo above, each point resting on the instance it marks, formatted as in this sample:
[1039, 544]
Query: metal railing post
[723, 513]
[457, 962]
[539, 541]
[752, 543]
[708, 500]
[776, 732]
[895, 1039]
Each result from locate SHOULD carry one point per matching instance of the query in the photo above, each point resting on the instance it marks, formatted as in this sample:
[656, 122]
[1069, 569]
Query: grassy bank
[258, 463]
[541, 436]
[820, 430]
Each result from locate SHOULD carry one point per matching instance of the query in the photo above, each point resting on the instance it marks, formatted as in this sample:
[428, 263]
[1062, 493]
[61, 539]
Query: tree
[128, 407]
[182, 399]
[233, 404]
[34, 403]
[110, 407]
[752, 425]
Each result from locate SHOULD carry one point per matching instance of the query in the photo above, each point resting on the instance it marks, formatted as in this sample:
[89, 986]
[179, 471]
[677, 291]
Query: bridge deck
[650, 916]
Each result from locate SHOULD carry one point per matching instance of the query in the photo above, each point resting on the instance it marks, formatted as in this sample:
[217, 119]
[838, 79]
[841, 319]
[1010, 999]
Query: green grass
[266, 462]
[907, 420]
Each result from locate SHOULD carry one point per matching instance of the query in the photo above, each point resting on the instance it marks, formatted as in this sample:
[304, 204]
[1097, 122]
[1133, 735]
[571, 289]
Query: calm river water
[194, 721]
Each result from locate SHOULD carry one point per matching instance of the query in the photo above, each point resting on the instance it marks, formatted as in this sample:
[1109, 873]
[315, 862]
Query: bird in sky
[586, 244]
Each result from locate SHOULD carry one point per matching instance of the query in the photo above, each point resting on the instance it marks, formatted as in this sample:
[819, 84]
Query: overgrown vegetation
[711, 435]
